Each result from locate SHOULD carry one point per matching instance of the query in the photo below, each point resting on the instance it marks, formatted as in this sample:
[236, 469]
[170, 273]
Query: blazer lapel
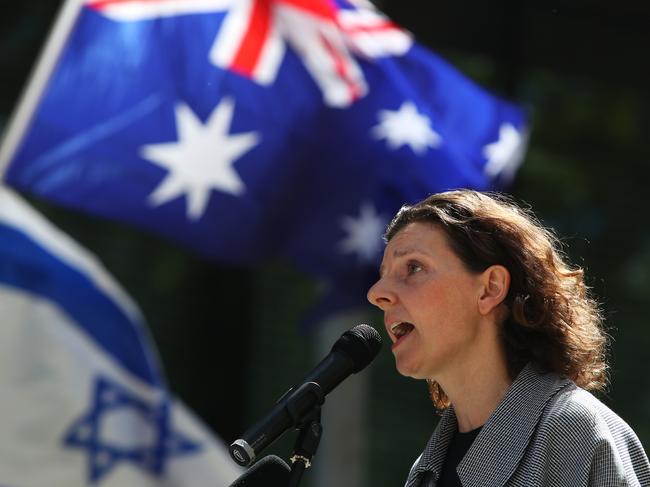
[434, 453]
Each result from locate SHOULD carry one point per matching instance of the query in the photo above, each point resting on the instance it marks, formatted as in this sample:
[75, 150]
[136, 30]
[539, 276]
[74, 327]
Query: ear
[495, 285]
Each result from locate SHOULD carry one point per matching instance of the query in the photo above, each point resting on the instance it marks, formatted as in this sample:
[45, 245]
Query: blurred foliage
[227, 336]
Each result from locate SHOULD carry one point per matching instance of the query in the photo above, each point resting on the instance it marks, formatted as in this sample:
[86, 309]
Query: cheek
[432, 311]
[462, 293]
[447, 311]
[440, 299]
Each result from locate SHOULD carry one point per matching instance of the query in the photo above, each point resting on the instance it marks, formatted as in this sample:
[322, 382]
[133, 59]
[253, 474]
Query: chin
[408, 370]
[415, 371]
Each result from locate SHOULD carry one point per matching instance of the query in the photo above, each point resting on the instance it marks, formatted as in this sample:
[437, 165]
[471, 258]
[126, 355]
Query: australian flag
[249, 128]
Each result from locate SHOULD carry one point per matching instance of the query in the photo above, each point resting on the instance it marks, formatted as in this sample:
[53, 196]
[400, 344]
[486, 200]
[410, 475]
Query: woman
[479, 301]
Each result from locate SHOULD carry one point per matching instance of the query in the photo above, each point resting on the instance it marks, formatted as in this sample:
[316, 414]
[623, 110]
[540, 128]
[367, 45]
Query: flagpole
[37, 81]
[343, 453]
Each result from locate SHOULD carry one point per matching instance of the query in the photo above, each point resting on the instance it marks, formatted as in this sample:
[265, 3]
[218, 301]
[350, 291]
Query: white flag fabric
[83, 399]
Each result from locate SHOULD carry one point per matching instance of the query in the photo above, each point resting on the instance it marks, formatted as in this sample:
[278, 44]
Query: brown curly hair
[553, 322]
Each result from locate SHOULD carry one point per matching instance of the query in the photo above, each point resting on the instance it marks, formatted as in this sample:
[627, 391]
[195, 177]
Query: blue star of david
[85, 433]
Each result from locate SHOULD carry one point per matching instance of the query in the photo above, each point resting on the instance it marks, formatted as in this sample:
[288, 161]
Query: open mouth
[401, 329]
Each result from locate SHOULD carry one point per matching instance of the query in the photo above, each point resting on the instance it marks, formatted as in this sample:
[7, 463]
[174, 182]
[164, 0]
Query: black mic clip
[296, 400]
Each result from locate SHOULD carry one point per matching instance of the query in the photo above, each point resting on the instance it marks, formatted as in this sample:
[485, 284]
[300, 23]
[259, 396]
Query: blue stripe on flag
[27, 266]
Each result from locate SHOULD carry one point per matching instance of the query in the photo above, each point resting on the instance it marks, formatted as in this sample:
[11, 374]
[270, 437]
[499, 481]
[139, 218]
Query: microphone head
[361, 344]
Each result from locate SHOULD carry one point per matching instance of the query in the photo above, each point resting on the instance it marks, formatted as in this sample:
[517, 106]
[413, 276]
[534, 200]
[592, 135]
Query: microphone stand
[306, 419]
[310, 432]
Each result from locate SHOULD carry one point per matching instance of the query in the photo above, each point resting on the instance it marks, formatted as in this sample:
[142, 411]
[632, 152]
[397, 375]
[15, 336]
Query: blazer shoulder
[568, 435]
[572, 409]
[578, 414]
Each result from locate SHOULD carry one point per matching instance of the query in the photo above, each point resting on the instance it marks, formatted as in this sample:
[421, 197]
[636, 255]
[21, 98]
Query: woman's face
[430, 302]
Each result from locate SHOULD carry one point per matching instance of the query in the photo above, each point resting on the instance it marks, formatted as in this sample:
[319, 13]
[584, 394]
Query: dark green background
[228, 337]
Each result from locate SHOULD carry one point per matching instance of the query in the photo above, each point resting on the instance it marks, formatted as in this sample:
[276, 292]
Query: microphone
[352, 352]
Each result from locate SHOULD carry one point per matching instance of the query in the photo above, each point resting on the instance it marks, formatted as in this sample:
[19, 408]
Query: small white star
[363, 233]
[406, 127]
[505, 154]
[201, 160]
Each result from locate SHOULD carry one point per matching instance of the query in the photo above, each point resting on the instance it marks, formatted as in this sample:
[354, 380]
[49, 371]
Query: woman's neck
[477, 389]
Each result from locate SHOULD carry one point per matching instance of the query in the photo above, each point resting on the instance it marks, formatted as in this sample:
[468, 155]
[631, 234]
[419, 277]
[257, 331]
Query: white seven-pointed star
[505, 154]
[406, 127]
[363, 233]
[201, 160]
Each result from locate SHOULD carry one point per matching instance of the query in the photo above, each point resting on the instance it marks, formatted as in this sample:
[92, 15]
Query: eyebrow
[406, 251]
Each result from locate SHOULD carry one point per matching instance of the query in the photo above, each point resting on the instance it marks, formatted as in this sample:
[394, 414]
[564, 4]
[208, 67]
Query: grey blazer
[545, 432]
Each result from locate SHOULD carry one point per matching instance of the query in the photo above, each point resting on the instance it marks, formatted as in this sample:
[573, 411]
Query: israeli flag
[83, 398]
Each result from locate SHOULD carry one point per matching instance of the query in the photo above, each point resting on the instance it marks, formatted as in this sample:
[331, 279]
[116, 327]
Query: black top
[459, 445]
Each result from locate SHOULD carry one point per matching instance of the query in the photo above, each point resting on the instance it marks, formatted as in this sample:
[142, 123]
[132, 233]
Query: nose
[380, 295]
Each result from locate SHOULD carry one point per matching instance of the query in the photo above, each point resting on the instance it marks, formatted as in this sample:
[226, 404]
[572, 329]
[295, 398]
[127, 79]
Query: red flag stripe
[254, 39]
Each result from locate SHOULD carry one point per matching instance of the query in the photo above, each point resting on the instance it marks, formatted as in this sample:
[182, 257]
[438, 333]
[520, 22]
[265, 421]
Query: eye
[413, 267]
